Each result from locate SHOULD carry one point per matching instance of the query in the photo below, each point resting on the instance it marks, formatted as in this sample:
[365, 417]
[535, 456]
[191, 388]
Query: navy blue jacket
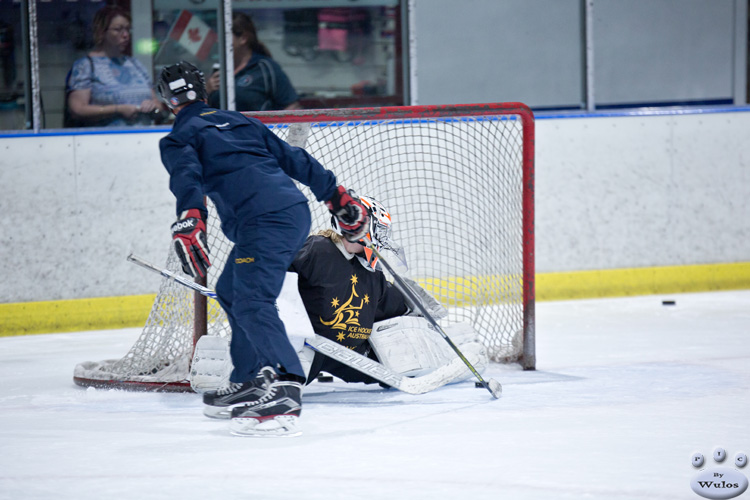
[239, 163]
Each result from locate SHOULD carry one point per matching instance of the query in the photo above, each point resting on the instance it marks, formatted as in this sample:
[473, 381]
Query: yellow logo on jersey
[244, 260]
[346, 316]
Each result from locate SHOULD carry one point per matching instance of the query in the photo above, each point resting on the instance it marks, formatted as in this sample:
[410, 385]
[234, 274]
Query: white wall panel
[642, 191]
[75, 206]
[38, 178]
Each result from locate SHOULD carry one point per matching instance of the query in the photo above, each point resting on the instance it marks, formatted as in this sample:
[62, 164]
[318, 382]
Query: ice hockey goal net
[459, 183]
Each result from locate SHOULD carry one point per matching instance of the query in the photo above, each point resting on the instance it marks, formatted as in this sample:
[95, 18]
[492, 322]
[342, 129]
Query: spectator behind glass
[108, 87]
[259, 82]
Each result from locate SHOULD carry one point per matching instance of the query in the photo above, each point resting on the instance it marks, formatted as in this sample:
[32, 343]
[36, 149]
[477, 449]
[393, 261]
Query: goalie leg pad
[211, 364]
[476, 354]
[460, 333]
[411, 346]
[306, 356]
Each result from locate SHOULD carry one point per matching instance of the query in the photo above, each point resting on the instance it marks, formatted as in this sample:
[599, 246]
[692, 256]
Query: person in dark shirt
[346, 295]
[259, 82]
[345, 292]
[249, 173]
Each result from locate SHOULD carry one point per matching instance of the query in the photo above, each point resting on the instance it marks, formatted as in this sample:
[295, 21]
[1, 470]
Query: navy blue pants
[249, 286]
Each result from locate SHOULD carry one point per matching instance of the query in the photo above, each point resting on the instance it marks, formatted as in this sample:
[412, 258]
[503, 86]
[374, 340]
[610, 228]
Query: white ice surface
[625, 391]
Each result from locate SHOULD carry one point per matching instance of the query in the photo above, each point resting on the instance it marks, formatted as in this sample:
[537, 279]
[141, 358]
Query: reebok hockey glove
[189, 236]
[351, 214]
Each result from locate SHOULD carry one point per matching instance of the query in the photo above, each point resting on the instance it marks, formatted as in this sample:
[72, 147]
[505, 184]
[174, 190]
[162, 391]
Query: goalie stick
[493, 386]
[363, 364]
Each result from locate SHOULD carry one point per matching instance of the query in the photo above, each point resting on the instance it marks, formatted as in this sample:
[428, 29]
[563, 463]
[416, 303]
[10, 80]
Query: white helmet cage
[380, 231]
[380, 224]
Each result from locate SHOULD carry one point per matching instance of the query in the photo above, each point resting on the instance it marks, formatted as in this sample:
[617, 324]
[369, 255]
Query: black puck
[325, 378]
[667, 302]
[478, 385]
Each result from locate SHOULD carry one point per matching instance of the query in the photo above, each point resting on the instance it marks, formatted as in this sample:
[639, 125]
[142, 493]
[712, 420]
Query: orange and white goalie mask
[380, 230]
[380, 233]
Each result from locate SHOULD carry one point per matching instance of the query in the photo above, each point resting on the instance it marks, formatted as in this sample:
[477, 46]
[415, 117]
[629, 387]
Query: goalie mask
[181, 83]
[379, 233]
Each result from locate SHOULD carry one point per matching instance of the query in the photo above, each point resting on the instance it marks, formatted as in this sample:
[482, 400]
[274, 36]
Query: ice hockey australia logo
[346, 315]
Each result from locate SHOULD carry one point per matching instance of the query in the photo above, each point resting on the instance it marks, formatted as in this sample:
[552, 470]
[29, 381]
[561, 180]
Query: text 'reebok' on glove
[191, 244]
[351, 214]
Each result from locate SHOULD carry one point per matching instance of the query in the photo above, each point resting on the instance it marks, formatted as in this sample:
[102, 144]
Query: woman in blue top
[259, 82]
[108, 87]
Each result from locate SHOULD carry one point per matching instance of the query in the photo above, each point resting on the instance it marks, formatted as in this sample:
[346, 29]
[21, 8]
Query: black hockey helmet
[181, 83]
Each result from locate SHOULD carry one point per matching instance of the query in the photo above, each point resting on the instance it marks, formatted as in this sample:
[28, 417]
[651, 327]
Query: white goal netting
[458, 182]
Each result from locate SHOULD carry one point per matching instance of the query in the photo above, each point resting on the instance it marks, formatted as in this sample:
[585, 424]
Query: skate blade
[279, 426]
[220, 412]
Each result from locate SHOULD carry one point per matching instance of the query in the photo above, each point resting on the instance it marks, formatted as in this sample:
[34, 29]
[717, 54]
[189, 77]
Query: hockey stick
[174, 277]
[378, 371]
[363, 364]
[492, 385]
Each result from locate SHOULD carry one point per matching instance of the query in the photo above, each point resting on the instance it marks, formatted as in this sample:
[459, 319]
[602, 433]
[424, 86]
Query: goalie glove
[352, 216]
[191, 244]
[435, 308]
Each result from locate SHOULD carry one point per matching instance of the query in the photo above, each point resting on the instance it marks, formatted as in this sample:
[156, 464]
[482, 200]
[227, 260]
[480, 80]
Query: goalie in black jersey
[345, 292]
[348, 300]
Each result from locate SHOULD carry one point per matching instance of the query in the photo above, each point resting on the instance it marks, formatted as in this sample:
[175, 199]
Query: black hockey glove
[189, 236]
[352, 216]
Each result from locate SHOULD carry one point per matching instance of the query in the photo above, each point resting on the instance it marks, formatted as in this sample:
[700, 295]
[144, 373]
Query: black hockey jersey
[343, 299]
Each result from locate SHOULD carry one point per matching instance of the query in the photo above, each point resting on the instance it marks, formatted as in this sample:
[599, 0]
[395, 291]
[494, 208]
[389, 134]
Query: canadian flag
[193, 34]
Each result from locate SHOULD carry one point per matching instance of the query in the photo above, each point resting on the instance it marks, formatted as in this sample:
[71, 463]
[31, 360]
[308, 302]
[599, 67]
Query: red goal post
[458, 181]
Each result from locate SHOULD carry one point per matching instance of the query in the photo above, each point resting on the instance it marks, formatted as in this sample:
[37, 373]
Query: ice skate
[276, 414]
[219, 404]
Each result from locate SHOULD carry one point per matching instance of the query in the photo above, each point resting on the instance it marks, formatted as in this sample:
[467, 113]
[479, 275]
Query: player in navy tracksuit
[247, 172]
